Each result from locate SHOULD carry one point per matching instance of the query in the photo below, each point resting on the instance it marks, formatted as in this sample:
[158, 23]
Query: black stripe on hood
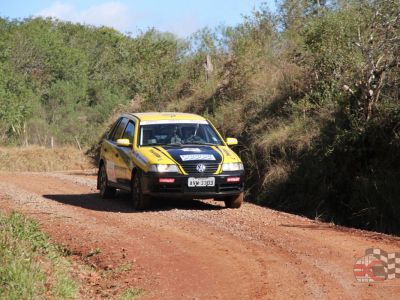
[193, 153]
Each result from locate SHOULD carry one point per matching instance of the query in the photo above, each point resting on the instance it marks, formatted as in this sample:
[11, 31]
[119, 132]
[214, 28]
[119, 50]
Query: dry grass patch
[36, 159]
[277, 173]
[296, 135]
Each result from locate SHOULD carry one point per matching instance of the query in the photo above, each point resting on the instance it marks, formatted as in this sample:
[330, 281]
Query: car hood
[191, 154]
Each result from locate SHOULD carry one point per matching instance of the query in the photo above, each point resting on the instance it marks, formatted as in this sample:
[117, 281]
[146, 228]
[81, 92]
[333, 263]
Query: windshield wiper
[165, 144]
[174, 144]
[200, 143]
[155, 144]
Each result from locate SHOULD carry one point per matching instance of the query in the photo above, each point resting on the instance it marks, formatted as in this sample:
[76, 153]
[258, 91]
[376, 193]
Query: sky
[181, 17]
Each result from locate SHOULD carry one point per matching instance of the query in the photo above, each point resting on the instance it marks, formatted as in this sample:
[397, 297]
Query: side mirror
[231, 141]
[123, 143]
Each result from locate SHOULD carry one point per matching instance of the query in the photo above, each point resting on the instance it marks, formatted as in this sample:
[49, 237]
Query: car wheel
[106, 191]
[234, 201]
[139, 200]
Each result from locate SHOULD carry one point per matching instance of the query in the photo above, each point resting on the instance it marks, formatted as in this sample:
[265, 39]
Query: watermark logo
[377, 265]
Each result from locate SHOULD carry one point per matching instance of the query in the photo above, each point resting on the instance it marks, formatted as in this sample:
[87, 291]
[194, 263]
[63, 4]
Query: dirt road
[195, 250]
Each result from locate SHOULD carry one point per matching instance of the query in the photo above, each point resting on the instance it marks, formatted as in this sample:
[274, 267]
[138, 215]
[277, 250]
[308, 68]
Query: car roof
[154, 116]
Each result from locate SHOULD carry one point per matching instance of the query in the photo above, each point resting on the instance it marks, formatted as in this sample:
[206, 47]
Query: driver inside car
[187, 132]
[175, 139]
[193, 134]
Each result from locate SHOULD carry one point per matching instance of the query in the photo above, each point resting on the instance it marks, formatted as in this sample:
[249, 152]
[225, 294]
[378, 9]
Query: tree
[379, 43]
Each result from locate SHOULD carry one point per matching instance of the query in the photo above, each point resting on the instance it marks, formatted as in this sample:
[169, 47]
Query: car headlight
[163, 168]
[232, 167]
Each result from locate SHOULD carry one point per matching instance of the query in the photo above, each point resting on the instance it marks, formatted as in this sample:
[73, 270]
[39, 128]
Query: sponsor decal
[188, 157]
[191, 150]
[155, 153]
[225, 151]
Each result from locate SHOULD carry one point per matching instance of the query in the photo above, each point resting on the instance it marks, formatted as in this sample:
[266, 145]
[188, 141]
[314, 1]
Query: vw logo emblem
[201, 168]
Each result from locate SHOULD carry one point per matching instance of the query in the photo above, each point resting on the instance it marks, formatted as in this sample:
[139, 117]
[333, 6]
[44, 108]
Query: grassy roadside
[37, 159]
[31, 266]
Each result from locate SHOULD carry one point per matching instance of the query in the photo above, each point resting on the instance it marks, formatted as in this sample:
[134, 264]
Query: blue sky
[178, 16]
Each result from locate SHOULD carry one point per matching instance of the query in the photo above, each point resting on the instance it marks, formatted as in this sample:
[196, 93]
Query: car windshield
[179, 133]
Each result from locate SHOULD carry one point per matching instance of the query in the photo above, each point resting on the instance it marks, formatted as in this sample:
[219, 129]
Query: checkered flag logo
[377, 265]
[390, 261]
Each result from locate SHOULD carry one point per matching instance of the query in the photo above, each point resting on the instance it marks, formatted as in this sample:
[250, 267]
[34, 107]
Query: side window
[120, 128]
[113, 129]
[129, 132]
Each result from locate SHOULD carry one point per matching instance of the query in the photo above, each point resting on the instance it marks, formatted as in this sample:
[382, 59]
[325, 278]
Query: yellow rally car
[169, 155]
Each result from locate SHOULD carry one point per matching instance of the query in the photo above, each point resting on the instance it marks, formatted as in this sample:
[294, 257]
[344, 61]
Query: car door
[125, 153]
[107, 152]
[113, 160]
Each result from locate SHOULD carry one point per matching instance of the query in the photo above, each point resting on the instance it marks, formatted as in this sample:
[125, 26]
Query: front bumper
[180, 189]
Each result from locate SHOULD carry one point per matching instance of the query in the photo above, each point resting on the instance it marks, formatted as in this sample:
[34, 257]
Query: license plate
[196, 182]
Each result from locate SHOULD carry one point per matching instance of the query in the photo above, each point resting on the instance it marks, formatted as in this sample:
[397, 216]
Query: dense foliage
[64, 80]
[311, 91]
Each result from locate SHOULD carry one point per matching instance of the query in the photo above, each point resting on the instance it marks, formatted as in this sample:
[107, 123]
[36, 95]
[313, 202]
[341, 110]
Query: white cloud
[112, 14]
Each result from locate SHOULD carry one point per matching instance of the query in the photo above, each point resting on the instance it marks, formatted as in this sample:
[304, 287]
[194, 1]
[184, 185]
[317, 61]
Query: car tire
[106, 191]
[234, 201]
[139, 200]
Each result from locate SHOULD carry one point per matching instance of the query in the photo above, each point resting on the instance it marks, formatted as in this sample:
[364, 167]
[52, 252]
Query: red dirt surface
[194, 249]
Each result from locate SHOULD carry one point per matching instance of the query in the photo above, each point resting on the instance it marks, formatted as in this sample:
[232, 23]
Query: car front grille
[191, 168]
